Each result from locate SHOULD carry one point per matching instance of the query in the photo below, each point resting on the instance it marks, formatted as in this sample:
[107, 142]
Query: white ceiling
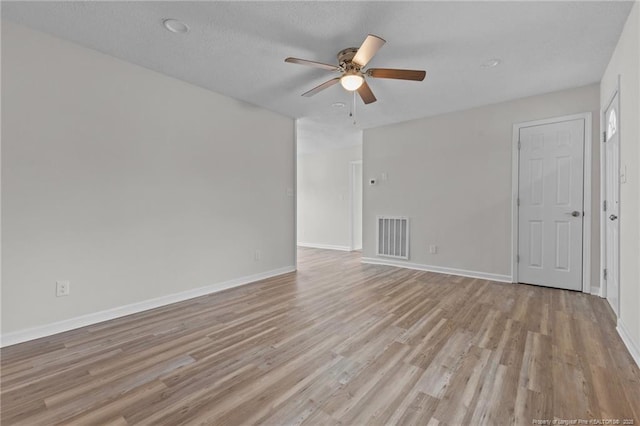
[315, 136]
[238, 48]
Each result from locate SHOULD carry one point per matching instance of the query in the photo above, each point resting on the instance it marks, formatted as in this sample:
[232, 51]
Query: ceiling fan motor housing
[345, 57]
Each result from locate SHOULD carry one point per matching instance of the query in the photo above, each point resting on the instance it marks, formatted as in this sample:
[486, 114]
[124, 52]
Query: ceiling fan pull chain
[354, 107]
[351, 109]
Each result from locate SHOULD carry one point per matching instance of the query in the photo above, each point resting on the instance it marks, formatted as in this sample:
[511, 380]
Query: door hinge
[604, 273]
[517, 258]
[518, 202]
[604, 205]
[604, 137]
[519, 145]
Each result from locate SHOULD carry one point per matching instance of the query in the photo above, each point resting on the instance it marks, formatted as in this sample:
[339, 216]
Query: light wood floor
[336, 342]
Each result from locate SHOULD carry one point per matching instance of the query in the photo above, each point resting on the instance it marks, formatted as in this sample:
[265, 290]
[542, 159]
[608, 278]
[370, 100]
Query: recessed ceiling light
[338, 104]
[175, 26]
[491, 63]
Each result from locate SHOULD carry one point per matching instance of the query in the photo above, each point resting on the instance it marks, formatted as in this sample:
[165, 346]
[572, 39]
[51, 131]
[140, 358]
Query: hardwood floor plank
[346, 397]
[337, 342]
[418, 411]
[180, 401]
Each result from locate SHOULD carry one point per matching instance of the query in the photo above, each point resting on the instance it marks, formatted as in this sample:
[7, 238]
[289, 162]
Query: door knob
[613, 217]
[575, 213]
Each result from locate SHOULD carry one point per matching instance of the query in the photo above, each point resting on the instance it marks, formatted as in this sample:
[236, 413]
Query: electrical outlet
[63, 288]
[433, 249]
[257, 255]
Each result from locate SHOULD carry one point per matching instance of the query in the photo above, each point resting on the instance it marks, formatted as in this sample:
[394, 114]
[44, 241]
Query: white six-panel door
[550, 212]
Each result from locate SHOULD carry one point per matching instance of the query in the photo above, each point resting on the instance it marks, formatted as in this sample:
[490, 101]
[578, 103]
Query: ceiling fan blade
[321, 87]
[313, 64]
[366, 94]
[369, 48]
[416, 75]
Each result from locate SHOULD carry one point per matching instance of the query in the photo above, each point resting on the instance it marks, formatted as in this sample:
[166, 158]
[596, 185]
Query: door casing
[586, 200]
[352, 191]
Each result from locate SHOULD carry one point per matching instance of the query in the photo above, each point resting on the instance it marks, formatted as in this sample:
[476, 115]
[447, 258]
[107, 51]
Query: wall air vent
[393, 237]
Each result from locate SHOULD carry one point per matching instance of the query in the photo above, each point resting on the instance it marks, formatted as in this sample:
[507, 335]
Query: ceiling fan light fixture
[351, 82]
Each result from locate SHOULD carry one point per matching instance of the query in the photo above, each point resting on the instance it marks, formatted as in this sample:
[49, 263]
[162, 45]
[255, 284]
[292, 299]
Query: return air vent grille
[393, 237]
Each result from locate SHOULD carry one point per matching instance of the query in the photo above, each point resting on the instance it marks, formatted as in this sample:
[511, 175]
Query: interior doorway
[355, 197]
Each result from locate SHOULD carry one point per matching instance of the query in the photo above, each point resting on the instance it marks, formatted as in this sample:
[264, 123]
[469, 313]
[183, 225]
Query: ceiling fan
[351, 63]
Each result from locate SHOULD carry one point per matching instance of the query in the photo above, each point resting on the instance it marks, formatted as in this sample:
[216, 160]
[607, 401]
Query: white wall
[130, 184]
[323, 192]
[451, 174]
[625, 62]
[314, 136]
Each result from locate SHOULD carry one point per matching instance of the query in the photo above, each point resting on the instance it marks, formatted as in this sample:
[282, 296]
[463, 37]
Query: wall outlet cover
[63, 288]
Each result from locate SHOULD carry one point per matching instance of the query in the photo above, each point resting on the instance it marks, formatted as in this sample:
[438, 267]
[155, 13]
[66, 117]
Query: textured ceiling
[238, 48]
[315, 136]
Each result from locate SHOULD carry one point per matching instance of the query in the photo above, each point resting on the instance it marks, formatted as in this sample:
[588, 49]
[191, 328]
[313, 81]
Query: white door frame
[603, 190]
[352, 182]
[295, 193]
[586, 200]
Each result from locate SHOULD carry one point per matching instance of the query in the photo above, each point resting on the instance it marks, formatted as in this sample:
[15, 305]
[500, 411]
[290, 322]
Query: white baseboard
[325, 246]
[633, 348]
[20, 336]
[439, 269]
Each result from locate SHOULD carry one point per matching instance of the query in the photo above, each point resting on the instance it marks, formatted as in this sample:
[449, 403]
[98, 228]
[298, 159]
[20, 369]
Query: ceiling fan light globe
[351, 82]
